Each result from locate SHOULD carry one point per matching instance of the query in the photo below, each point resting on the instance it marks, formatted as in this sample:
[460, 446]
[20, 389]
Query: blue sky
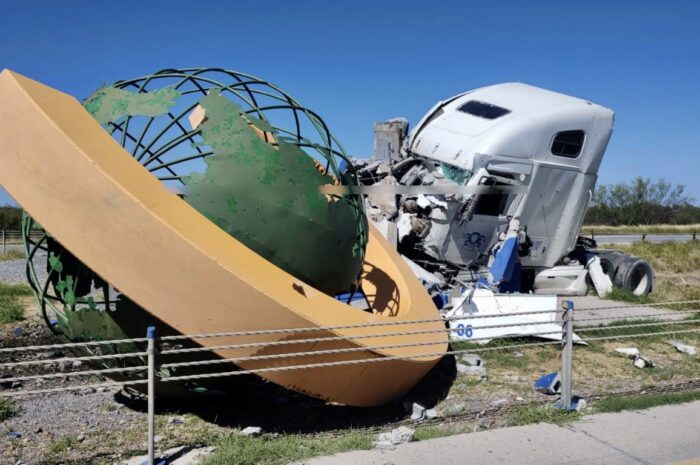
[359, 62]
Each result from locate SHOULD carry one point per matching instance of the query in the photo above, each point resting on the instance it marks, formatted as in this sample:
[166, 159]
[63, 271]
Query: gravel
[15, 271]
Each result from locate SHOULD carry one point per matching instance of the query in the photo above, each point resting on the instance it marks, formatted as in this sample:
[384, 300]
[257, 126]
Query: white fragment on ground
[629, 351]
[251, 431]
[400, 435]
[581, 405]
[683, 348]
[639, 360]
[417, 411]
[469, 370]
[642, 361]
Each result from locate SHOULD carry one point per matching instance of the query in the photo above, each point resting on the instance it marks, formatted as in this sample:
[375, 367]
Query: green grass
[8, 409]
[274, 450]
[11, 308]
[60, 446]
[617, 404]
[547, 413]
[641, 229]
[12, 254]
[624, 295]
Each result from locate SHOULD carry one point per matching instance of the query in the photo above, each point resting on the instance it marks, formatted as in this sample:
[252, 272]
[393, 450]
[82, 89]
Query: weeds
[11, 308]
[273, 450]
[547, 413]
[8, 409]
[617, 404]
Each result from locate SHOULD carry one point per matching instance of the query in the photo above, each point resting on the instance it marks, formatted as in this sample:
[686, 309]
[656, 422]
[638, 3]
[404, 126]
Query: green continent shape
[109, 104]
[268, 198]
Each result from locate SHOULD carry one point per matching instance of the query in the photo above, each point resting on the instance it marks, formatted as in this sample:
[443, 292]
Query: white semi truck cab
[548, 144]
[545, 146]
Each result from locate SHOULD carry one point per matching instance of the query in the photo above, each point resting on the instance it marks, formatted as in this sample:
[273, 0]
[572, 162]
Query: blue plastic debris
[548, 384]
[575, 400]
[13, 435]
[357, 295]
[18, 331]
[440, 300]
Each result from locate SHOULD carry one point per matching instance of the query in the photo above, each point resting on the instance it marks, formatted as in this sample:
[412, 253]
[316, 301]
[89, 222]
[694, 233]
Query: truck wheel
[635, 275]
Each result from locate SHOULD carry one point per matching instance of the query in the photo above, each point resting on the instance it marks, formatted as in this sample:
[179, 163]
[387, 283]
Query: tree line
[10, 217]
[642, 201]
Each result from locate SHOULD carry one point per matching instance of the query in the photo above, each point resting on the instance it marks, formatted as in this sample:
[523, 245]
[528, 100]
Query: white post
[151, 351]
[4, 242]
[566, 354]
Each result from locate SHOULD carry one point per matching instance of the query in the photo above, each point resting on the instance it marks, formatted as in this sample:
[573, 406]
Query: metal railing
[14, 237]
[153, 372]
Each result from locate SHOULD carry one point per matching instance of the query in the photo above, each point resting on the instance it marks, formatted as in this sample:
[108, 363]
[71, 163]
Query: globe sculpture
[242, 152]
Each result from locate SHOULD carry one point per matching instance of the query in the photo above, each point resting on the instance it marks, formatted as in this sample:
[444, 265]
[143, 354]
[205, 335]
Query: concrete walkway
[662, 435]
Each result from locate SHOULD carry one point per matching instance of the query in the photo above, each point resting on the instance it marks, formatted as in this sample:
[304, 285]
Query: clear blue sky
[359, 62]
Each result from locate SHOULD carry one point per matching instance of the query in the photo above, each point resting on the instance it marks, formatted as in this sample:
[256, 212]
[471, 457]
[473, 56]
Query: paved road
[629, 238]
[662, 435]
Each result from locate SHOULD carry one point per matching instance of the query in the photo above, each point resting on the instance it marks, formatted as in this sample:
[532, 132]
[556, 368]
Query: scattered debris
[629, 351]
[642, 361]
[639, 360]
[417, 412]
[484, 423]
[251, 431]
[175, 421]
[471, 360]
[470, 370]
[683, 348]
[548, 384]
[400, 435]
[13, 435]
[580, 404]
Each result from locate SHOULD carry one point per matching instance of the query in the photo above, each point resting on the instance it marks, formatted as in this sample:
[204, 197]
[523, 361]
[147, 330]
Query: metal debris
[683, 348]
[638, 359]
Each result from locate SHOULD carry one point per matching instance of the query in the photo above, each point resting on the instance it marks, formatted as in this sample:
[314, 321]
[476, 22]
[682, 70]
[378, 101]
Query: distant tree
[642, 202]
[10, 217]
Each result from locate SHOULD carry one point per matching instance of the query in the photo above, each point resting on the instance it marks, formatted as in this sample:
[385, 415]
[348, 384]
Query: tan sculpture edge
[112, 214]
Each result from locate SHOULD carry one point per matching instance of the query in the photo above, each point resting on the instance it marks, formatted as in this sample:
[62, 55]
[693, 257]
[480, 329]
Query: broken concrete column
[388, 137]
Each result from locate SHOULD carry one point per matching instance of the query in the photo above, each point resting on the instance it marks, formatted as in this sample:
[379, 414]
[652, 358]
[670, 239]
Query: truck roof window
[568, 143]
[483, 109]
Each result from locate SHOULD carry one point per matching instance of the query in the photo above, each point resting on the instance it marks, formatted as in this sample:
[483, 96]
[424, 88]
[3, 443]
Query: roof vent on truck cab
[483, 109]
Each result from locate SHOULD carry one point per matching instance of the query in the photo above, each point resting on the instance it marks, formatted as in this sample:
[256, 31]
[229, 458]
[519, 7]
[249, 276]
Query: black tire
[636, 275]
[610, 262]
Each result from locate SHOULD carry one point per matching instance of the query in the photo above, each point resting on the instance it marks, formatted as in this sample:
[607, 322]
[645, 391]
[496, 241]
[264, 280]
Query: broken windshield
[457, 175]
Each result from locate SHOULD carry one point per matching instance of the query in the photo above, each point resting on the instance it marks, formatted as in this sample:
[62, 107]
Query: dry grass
[641, 229]
[677, 268]
[12, 254]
